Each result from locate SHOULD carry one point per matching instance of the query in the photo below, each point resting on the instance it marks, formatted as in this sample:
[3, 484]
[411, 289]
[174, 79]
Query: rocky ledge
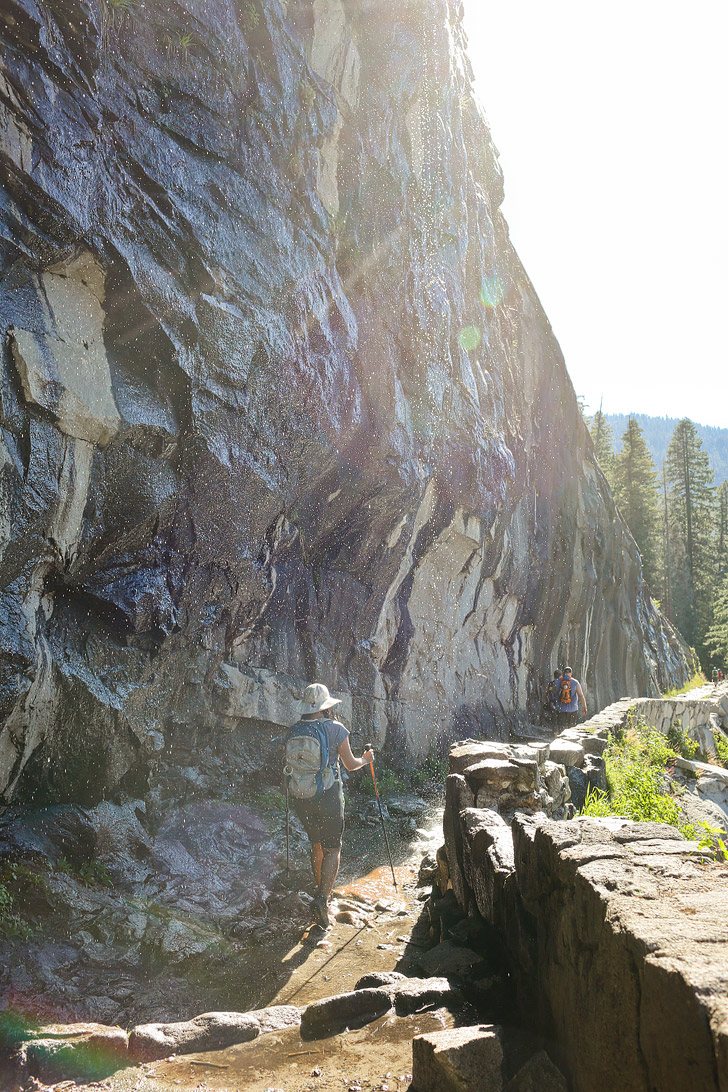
[615, 932]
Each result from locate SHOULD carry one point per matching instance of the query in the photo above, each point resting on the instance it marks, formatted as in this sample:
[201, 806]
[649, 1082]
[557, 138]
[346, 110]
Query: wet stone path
[374, 929]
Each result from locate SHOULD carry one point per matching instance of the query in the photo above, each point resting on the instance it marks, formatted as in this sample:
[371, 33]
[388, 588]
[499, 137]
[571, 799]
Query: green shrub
[635, 767]
[721, 746]
[714, 839]
[678, 739]
[596, 803]
[432, 769]
[94, 872]
[88, 872]
[387, 781]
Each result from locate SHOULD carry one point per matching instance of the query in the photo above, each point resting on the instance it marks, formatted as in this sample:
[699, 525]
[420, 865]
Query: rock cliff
[277, 398]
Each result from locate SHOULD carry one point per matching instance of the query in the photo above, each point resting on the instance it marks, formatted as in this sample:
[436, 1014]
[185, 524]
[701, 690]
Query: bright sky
[610, 123]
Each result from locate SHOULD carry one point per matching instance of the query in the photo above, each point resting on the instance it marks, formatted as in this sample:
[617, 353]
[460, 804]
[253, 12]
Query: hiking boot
[320, 911]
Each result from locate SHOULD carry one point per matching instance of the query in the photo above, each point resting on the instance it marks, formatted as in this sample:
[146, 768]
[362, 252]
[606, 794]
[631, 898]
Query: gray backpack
[308, 771]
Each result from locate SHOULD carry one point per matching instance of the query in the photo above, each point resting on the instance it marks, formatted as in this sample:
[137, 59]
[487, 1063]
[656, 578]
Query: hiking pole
[368, 747]
[288, 850]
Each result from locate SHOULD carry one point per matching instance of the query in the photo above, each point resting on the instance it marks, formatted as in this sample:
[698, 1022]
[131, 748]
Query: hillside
[658, 430]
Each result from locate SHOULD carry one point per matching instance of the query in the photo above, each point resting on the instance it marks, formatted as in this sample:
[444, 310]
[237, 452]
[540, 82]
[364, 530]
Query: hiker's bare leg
[329, 872]
[317, 856]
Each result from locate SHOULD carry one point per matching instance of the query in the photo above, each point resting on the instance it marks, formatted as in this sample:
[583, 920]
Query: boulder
[458, 1060]
[428, 870]
[638, 899]
[466, 754]
[578, 783]
[406, 805]
[210, 1031]
[448, 958]
[75, 1053]
[378, 978]
[596, 772]
[539, 1074]
[593, 745]
[487, 858]
[345, 1010]
[276, 1017]
[495, 773]
[566, 752]
[414, 994]
[458, 796]
[553, 775]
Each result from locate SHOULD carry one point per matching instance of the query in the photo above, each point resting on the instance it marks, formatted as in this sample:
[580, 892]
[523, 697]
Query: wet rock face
[277, 399]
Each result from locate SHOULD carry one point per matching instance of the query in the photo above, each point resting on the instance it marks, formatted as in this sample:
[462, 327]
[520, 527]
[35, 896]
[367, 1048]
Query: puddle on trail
[377, 889]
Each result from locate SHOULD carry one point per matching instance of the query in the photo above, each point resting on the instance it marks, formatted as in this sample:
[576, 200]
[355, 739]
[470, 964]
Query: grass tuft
[698, 679]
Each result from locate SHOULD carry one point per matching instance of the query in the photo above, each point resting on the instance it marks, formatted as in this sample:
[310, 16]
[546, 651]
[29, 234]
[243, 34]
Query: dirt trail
[377, 930]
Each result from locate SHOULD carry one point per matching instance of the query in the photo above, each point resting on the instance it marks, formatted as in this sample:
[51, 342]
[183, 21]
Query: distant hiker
[550, 699]
[569, 695]
[714, 675]
[314, 747]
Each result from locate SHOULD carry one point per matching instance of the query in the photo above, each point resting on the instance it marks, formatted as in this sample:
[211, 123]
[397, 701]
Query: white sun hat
[315, 698]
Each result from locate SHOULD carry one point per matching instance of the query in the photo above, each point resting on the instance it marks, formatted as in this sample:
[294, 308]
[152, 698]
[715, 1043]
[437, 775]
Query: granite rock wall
[277, 399]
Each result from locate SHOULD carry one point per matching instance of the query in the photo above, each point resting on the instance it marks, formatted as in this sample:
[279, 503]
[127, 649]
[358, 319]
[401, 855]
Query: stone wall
[615, 931]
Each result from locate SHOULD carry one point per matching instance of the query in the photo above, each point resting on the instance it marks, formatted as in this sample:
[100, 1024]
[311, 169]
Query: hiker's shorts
[323, 819]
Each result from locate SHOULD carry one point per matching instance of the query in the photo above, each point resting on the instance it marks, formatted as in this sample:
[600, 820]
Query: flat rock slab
[458, 1060]
[345, 1010]
[448, 958]
[276, 1017]
[463, 755]
[379, 978]
[539, 1074]
[566, 752]
[86, 1056]
[418, 993]
[406, 805]
[210, 1031]
[496, 772]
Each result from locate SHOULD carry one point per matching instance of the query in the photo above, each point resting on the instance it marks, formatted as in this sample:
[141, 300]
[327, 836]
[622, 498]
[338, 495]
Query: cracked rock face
[277, 399]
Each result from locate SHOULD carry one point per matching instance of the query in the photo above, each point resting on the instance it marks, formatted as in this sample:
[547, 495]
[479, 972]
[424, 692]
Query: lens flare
[492, 291]
[469, 338]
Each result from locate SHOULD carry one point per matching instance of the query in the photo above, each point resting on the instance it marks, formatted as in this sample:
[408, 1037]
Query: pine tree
[691, 513]
[716, 639]
[603, 438]
[721, 536]
[635, 491]
[666, 602]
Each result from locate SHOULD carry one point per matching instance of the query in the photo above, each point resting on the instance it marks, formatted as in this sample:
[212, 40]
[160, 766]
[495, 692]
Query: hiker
[550, 699]
[314, 747]
[569, 693]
